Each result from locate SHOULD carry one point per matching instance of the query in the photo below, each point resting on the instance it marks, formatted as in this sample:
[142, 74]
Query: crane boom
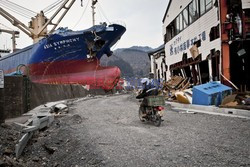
[14, 21]
[38, 25]
[63, 6]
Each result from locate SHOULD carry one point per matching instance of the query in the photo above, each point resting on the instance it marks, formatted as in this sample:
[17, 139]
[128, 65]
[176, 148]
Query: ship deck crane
[14, 36]
[37, 28]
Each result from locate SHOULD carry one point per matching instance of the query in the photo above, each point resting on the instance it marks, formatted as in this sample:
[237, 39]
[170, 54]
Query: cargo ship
[69, 57]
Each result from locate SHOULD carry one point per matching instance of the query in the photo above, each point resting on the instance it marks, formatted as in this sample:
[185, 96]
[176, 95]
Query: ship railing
[119, 23]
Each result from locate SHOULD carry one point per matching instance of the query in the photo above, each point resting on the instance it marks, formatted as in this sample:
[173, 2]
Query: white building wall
[200, 29]
[175, 8]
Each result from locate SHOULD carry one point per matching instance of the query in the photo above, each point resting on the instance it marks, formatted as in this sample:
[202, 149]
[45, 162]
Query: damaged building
[206, 40]
[158, 63]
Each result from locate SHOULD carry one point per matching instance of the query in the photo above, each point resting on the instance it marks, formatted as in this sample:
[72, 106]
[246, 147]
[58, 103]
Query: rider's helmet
[145, 82]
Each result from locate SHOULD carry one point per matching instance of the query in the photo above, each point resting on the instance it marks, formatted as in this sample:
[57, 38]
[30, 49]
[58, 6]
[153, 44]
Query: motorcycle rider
[149, 89]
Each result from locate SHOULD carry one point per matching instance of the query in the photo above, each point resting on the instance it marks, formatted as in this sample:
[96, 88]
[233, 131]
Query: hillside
[133, 62]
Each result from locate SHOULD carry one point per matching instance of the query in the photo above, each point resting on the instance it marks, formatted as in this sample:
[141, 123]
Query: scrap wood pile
[176, 85]
[238, 100]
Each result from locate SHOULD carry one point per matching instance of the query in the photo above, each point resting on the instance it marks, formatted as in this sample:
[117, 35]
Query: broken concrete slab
[18, 126]
[30, 129]
[22, 143]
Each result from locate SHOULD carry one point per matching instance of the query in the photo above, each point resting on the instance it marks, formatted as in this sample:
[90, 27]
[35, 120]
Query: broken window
[187, 71]
[181, 21]
[215, 65]
[204, 71]
[214, 33]
[177, 25]
[177, 72]
[202, 7]
[209, 5]
[185, 18]
[193, 11]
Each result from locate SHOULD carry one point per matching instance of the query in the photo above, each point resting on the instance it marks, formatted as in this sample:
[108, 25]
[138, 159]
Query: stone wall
[14, 96]
[2, 115]
[21, 95]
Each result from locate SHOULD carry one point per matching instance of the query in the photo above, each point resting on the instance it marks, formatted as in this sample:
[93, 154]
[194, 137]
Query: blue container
[211, 93]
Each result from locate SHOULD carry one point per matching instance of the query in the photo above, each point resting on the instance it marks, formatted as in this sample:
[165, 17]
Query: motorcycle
[151, 109]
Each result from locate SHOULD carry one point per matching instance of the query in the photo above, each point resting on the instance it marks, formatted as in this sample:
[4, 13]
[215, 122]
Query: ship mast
[93, 11]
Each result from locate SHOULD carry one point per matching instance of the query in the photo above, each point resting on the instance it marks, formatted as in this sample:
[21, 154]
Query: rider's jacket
[148, 90]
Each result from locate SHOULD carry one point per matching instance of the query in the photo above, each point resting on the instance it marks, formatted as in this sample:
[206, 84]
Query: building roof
[170, 1]
[160, 48]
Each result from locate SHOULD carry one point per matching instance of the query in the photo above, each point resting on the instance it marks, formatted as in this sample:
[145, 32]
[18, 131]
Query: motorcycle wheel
[140, 115]
[157, 121]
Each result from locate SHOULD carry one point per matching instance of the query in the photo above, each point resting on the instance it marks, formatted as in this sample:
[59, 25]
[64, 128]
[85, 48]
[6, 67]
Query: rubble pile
[175, 85]
[32, 142]
[238, 100]
[179, 89]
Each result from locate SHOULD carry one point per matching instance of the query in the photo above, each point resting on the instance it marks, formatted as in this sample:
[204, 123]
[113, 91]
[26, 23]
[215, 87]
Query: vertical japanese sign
[1, 79]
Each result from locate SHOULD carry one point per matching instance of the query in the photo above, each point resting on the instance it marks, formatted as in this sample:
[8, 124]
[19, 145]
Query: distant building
[158, 63]
[4, 52]
[208, 40]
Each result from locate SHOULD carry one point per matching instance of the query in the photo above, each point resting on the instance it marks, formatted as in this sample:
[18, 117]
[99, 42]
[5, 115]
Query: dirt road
[106, 131]
[112, 126]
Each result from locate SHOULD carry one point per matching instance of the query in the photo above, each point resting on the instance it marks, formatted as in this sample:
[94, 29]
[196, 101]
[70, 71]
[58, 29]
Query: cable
[17, 12]
[7, 27]
[53, 7]
[100, 15]
[46, 8]
[103, 12]
[18, 7]
[82, 15]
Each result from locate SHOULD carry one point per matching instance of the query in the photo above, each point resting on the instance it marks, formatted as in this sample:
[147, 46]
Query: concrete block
[19, 126]
[43, 124]
[22, 143]
[35, 121]
[30, 129]
[44, 121]
[51, 119]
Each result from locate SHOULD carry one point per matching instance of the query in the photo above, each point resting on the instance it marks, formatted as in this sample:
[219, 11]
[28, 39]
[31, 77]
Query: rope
[7, 27]
[84, 11]
[17, 12]
[53, 7]
[102, 12]
[21, 7]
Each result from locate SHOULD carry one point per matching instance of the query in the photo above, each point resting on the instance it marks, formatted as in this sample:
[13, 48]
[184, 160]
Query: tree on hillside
[126, 69]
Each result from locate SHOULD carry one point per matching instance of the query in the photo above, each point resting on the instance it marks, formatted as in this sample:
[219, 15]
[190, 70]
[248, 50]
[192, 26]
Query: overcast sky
[143, 20]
